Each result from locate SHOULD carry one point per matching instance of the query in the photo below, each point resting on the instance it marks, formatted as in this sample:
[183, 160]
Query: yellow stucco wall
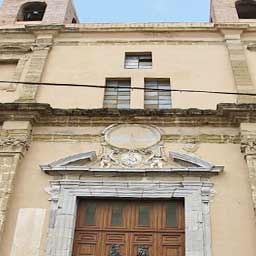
[6, 74]
[195, 67]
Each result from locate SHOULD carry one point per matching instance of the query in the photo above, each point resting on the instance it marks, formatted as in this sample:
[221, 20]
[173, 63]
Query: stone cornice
[128, 27]
[227, 115]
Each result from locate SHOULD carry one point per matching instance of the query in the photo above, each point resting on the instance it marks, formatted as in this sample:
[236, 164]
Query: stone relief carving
[53, 192]
[14, 142]
[133, 146]
[153, 157]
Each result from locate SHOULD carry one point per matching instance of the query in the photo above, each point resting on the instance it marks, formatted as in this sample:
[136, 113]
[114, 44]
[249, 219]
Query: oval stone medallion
[132, 136]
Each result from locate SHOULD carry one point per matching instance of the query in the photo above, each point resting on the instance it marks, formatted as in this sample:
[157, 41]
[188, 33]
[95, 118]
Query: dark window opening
[246, 9]
[33, 11]
[74, 21]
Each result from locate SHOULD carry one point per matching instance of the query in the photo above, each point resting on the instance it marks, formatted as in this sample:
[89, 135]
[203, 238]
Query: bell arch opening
[32, 11]
[246, 9]
[74, 21]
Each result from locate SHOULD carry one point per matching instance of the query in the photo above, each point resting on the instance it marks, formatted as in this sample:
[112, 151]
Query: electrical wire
[127, 87]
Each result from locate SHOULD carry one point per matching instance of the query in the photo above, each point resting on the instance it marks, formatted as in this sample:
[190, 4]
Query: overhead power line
[126, 87]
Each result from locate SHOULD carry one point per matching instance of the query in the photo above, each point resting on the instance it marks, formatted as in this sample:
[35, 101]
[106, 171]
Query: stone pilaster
[36, 66]
[242, 76]
[14, 142]
[248, 147]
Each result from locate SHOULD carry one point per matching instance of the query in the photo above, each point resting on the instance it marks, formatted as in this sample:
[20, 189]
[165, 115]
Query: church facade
[127, 139]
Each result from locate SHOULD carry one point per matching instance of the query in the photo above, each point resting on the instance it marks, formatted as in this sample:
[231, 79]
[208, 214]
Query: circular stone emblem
[132, 136]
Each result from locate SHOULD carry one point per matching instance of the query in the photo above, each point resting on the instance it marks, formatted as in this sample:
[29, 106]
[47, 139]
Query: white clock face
[132, 136]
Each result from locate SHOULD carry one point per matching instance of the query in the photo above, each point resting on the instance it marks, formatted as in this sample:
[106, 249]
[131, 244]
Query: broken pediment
[89, 162]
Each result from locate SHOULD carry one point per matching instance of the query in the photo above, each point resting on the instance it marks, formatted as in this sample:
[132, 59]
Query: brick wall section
[14, 142]
[55, 12]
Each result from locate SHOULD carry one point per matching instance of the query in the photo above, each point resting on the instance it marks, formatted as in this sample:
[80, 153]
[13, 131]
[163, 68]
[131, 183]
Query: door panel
[171, 251]
[129, 226]
[86, 244]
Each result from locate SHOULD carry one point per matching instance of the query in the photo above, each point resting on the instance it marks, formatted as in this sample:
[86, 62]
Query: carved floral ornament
[131, 148]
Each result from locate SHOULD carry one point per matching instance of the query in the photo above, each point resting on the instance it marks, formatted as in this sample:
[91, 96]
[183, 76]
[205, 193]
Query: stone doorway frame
[64, 194]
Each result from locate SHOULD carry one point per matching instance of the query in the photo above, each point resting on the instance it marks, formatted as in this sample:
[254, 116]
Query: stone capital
[248, 139]
[232, 35]
[15, 137]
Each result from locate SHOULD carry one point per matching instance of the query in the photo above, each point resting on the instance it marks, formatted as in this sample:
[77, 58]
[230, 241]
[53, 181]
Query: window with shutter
[157, 94]
[117, 93]
[138, 60]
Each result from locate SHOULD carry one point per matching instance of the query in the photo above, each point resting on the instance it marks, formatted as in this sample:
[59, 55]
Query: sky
[142, 10]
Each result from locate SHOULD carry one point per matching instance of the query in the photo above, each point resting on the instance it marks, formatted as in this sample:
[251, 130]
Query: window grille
[157, 99]
[117, 93]
[138, 60]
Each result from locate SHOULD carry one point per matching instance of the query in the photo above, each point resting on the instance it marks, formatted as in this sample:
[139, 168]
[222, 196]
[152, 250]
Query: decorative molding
[114, 27]
[189, 147]
[81, 42]
[195, 193]
[226, 115]
[14, 143]
[131, 148]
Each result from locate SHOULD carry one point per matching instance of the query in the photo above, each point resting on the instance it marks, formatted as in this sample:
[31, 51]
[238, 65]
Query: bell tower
[233, 10]
[37, 12]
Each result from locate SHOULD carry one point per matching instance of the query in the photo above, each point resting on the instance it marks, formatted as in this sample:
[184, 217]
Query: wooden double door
[109, 227]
